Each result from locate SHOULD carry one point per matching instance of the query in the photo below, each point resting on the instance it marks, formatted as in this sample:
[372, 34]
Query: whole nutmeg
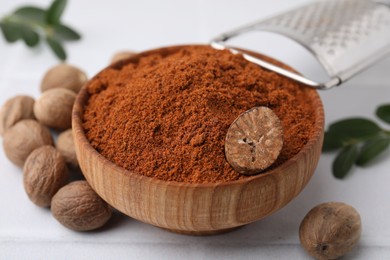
[64, 76]
[78, 207]
[44, 173]
[54, 108]
[330, 230]
[121, 56]
[24, 137]
[14, 110]
[65, 145]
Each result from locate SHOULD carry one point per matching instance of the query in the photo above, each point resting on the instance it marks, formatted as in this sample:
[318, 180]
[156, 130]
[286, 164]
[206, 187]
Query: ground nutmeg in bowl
[166, 115]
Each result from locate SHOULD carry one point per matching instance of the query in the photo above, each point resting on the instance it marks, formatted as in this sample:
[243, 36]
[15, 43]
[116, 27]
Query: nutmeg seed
[14, 110]
[78, 207]
[121, 56]
[54, 108]
[24, 137]
[65, 145]
[330, 230]
[64, 76]
[44, 173]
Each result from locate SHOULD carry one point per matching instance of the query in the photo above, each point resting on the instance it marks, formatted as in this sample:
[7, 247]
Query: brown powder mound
[167, 117]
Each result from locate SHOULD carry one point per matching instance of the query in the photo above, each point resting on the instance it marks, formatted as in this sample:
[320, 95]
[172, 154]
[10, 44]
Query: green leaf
[383, 112]
[345, 160]
[31, 13]
[11, 32]
[332, 141]
[355, 128]
[30, 37]
[53, 14]
[15, 31]
[30, 23]
[372, 148]
[57, 48]
[66, 33]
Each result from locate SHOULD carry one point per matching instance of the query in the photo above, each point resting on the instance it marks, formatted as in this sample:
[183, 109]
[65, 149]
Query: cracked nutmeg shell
[254, 140]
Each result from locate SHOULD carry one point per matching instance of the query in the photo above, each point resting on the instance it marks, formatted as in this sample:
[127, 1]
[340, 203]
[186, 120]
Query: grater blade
[346, 36]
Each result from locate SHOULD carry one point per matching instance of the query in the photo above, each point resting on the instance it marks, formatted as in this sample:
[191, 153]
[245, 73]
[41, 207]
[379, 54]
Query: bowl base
[202, 233]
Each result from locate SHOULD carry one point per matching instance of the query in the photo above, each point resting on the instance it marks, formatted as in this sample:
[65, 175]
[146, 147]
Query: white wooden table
[29, 232]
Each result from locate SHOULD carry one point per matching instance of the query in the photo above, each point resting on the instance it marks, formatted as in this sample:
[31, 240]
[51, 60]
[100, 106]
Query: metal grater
[346, 36]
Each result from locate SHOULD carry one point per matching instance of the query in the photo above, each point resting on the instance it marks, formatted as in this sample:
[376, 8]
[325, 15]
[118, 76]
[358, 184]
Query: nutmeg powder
[166, 116]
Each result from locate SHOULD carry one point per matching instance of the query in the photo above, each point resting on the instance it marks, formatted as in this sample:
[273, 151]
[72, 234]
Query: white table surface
[29, 232]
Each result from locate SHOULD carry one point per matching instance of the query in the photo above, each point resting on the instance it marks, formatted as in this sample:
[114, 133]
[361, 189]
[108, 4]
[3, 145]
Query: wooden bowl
[196, 208]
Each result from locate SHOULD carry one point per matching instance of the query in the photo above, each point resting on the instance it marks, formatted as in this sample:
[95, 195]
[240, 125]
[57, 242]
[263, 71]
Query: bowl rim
[79, 132]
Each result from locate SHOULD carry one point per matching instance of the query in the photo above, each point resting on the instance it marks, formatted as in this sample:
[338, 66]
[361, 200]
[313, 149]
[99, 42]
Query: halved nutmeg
[254, 140]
